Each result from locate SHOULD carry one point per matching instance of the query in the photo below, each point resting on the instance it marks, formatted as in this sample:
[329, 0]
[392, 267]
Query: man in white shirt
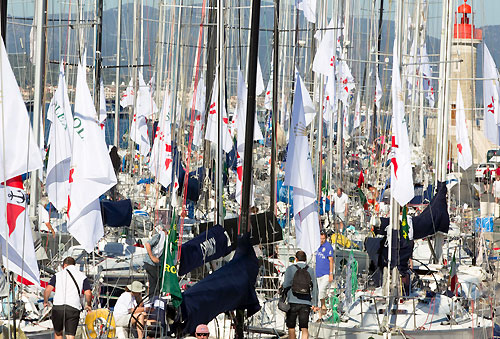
[69, 285]
[341, 201]
[126, 304]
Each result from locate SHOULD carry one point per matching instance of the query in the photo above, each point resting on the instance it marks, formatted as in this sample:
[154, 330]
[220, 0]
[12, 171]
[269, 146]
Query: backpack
[302, 282]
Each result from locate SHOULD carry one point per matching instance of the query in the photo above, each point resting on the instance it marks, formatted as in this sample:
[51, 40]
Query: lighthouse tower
[466, 37]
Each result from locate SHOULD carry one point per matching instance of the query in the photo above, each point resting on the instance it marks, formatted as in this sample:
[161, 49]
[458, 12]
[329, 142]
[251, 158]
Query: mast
[98, 57]
[274, 123]
[116, 141]
[3, 25]
[379, 43]
[41, 13]
[220, 106]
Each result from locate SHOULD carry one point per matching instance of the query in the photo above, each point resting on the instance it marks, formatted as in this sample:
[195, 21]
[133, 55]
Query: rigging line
[191, 128]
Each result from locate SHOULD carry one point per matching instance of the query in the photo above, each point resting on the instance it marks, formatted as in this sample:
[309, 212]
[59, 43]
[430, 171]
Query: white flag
[357, 112]
[16, 228]
[378, 91]
[298, 173]
[426, 69]
[212, 123]
[268, 100]
[199, 119]
[490, 98]
[324, 60]
[127, 98]
[309, 9]
[401, 170]
[259, 86]
[463, 147]
[19, 152]
[91, 173]
[345, 132]
[309, 109]
[345, 82]
[60, 141]
[298, 169]
[160, 162]
[145, 106]
[102, 109]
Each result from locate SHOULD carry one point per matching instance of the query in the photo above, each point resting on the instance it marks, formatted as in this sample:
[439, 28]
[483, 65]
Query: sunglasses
[202, 334]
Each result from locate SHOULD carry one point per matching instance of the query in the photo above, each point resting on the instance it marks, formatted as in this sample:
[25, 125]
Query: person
[202, 331]
[300, 304]
[487, 178]
[44, 224]
[154, 247]
[69, 284]
[126, 304]
[324, 271]
[341, 201]
[496, 189]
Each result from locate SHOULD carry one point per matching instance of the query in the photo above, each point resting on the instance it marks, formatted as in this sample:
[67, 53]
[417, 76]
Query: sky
[487, 11]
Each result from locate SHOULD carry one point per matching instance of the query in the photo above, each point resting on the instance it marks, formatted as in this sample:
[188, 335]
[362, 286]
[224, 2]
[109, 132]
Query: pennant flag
[199, 120]
[259, 86]
[345, 83]
[145, 107]
[17, 234]
[268, 100]
[357, 112]
[127, 98]
[298, 173]
[490, 98]
[324, 60]
[405, 228]
[102, 109]
[426, 70]
[362, 198]
[308, 7]
[309, 110]
[361, 179]
[346, 131]
[378, 91]
[351, 278]
[170, 280]
[453, 275]
[91, 172]
[212, 123]
[463, 146]
[160, 162]
[60, 141]
[19, 151]
[401, 170]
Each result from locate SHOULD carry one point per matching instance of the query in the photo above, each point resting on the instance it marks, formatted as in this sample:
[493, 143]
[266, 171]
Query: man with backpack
[300, 282]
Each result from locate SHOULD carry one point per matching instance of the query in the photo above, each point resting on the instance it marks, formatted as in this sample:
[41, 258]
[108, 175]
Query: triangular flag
[401, 170]
[324, 60]
[490, 98]
[60, 141]
[378, 91]
[91, 173]
[308, 105]
[357, 112]
[259, 86]
[127, 98]
[160, 162]
[463, 146]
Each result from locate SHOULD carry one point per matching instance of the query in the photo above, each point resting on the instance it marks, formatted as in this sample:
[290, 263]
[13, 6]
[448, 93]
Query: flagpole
[274, 144]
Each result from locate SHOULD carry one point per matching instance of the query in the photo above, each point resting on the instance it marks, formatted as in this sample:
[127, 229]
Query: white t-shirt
[125, 302]
[43, 217]
[340, 202]
[496, 187]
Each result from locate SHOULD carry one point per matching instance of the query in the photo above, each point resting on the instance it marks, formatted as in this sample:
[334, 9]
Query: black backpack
[302, 282]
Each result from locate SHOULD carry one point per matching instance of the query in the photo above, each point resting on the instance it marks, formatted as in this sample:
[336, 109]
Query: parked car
[482, 167]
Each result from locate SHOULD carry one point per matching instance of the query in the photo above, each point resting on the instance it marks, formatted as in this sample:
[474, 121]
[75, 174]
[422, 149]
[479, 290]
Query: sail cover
[229, 288]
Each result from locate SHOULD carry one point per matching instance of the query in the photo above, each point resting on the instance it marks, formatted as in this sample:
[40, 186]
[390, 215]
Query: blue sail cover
[206, 247]
[116, 213]
[229, 288]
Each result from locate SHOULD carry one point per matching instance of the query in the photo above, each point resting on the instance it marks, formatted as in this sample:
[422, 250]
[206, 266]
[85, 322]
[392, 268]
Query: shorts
[298, 310]
[496, 194]
[122, 320]
[323, 286]
[65, 318]
[341, 215]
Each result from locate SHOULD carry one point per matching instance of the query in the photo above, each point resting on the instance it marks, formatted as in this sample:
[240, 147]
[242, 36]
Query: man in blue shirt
[300, 304]
[324, 270]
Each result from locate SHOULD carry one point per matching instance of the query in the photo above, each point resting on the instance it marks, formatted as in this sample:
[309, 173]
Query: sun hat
[136, 287]
[202, 328]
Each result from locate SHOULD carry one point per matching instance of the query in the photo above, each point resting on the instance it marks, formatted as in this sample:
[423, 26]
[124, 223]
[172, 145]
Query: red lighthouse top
[464, 25]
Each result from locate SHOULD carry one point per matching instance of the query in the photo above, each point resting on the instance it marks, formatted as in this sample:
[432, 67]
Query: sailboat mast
[117, 75]
[3, 23]
[274, 123]
[41, 12]
[98, 57]
[219, 216]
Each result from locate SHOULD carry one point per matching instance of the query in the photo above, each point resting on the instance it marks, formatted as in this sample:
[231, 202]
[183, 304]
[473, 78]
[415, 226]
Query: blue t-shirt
[322, 262]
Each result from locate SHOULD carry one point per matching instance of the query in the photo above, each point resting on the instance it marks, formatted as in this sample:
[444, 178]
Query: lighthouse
[466, 37]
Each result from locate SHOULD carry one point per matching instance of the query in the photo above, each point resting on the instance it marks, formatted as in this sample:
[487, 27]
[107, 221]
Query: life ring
[98, 322]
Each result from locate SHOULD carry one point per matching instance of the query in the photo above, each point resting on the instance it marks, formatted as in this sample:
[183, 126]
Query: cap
[202, 328]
